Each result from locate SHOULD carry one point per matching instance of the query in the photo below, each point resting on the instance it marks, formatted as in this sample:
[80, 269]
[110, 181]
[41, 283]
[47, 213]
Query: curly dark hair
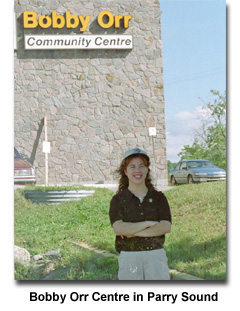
[123, 181]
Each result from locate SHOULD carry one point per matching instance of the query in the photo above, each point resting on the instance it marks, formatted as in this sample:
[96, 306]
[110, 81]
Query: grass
[196, 245]
[41, 228]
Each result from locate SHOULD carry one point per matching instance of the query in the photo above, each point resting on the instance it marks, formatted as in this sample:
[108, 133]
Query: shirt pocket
[151, 213]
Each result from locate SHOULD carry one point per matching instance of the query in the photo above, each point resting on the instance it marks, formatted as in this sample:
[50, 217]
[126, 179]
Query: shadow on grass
[206, 259]
[81, 265]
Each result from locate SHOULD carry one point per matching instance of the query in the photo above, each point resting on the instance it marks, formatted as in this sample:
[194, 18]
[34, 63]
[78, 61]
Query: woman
[140, 217]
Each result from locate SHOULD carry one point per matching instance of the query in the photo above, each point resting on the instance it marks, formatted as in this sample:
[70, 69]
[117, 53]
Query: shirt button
[141, 213]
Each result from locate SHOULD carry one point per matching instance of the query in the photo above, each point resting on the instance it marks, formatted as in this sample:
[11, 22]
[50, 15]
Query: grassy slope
[196, 244]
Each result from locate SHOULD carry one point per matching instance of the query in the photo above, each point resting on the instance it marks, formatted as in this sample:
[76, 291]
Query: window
[177, 167]
[183, 166]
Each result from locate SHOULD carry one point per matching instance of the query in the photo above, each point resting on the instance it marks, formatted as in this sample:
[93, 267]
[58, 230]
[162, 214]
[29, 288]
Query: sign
[46, 147]
[152, 131]
[105, 19]
[56, 41]
[59, 42]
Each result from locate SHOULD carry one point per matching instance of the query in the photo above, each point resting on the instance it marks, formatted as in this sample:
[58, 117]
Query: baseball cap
[134, 151]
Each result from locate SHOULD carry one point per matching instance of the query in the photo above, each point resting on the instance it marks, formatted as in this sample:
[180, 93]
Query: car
[24, 172]
[196, 171]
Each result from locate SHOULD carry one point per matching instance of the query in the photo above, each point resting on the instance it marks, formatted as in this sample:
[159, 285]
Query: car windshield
[200, 164]
[16, 154]
[177, 167]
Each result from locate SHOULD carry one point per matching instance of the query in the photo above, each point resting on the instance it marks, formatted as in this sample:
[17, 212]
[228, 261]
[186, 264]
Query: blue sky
[194, 60]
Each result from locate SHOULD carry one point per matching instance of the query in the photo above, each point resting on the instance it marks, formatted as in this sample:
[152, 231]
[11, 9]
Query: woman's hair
[123, 182]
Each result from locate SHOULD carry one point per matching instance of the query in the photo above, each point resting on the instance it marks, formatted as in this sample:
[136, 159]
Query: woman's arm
[131, 228]
[160, 228]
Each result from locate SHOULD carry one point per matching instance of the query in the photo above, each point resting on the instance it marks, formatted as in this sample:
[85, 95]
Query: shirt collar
[129, 195]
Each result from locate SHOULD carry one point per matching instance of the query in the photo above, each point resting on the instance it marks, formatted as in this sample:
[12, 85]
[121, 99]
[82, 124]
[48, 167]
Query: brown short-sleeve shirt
[127, 207]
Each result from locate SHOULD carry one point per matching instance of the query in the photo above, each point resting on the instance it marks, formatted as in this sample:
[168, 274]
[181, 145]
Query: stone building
[98, 102]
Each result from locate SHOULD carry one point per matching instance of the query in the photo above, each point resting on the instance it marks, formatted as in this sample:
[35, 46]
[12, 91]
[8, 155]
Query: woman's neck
[138, 190]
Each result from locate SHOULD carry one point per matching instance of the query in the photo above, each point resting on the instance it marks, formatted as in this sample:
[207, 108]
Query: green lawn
[196, 245]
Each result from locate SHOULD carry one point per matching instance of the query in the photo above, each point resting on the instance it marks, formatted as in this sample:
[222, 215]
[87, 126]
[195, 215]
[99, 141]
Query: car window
[183, 165]
[177, 167]
[16, 154]
[200, 164]
[208, 164]
[194, 164]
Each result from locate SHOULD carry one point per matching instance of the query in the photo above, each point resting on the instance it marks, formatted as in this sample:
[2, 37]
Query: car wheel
[190, 179]
[173, 181]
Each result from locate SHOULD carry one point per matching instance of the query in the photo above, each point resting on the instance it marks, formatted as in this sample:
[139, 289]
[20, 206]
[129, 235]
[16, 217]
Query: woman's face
[136, 171]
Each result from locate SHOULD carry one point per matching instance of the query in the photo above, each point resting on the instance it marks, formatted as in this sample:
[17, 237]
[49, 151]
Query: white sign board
[67, 42]
[46, 147]
[152, 131]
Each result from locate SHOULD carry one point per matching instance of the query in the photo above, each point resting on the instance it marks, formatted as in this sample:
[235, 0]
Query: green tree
[171, 165]
[210, 141]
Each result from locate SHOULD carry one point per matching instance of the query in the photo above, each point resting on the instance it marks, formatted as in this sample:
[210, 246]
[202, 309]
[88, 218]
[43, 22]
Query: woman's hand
[151, 223]
[148, 223]
[154, 228]
[123, 228]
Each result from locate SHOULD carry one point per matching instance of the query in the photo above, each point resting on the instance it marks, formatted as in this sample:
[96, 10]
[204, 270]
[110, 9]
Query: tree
[210, 141]
[171, 165]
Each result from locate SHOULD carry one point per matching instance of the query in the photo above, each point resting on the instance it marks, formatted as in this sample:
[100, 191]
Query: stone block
[98, 102]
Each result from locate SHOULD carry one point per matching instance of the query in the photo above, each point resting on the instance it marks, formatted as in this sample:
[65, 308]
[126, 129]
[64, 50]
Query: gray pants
[144, 265]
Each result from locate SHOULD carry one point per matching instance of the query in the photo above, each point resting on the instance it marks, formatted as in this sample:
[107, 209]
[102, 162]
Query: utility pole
[45, 143]
[153, 132]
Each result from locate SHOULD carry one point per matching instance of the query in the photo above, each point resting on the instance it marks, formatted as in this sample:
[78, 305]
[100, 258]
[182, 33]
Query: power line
[191, 77]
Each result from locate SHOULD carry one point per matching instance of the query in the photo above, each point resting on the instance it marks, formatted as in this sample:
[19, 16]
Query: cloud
[182, 128]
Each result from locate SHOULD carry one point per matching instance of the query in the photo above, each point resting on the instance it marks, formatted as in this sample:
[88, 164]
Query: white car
[195, 171]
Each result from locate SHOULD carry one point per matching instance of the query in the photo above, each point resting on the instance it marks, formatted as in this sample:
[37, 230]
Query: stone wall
[98, 103]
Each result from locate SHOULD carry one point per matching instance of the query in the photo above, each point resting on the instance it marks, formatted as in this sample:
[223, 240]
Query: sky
[194, 62]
